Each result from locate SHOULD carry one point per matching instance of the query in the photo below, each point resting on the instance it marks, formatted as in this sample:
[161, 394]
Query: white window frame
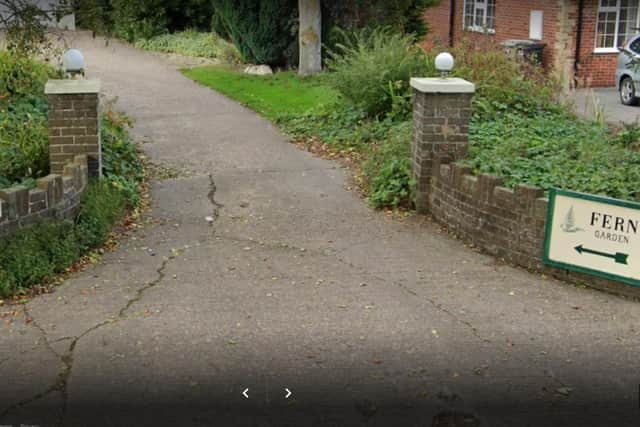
[616, 42]
[478, 5]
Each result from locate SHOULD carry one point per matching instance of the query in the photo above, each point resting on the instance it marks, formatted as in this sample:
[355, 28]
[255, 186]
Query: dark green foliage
[387, 169]
[22, 76]
[260, 29]
[403, 16]
[372, 68]
[102, 204]
[141, 19]
[95, 15]
[553, 149]
[33, 254]
[194, 14]
[24, 151]
[24, 148]
[121, 164]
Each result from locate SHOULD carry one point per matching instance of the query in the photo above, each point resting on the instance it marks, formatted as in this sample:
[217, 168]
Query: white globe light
[444, 62]
[73, 60]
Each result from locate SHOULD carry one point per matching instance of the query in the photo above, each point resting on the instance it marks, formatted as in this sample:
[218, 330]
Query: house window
[480, 15]
[617, 20]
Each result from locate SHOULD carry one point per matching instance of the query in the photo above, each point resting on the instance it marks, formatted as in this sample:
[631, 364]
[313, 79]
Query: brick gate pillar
[74, 123]
[441, 113]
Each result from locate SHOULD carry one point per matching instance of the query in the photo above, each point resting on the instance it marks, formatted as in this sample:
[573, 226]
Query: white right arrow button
[288, 393]
[246, 393]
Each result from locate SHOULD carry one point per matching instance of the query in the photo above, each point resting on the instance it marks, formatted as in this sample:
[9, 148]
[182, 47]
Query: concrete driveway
[366, 319]
[607, 100]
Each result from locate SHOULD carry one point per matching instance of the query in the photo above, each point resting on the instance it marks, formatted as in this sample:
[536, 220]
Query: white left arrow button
[246, 393]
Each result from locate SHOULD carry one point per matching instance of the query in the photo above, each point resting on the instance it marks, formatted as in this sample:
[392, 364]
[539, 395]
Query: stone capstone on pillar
[441, 114]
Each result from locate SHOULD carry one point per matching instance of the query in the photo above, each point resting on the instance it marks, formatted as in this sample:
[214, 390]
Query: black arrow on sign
[619, 257]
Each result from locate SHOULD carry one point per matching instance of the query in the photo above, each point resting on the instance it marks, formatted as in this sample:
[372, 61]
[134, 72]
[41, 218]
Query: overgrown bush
[504, 84]
[372, 68]
[22, 76]
[261, 30]
[24, 151]
[192, 43]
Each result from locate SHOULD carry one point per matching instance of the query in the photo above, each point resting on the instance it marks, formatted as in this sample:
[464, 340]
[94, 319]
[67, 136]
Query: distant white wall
[66, 23]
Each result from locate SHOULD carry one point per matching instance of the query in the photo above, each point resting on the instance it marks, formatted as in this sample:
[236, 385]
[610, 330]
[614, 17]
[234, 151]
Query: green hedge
[261, 30]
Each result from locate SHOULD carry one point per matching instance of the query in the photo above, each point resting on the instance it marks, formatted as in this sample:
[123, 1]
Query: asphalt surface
[366, 319]
[605, 101]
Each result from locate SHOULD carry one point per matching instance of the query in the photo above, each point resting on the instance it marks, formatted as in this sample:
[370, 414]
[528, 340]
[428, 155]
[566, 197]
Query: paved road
[589, 101]
[298, 285]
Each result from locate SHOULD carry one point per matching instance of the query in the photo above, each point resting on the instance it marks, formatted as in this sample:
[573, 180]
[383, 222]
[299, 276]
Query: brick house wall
[596, 69]
[559, 34]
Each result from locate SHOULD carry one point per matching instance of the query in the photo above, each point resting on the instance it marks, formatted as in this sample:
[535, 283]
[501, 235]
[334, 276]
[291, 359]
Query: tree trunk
[310, 37]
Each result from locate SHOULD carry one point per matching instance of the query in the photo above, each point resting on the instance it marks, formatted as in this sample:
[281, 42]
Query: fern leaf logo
[569, 224]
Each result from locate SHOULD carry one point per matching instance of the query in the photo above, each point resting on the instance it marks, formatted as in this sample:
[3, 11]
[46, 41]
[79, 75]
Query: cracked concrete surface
[297, 284]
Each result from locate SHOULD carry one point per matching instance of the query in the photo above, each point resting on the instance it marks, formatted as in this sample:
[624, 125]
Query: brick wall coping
[508, 223]
[55, 196]
[442, 85]
[81, 86]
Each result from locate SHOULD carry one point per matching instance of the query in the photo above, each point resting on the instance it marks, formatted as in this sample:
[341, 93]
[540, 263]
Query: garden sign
[593, 235]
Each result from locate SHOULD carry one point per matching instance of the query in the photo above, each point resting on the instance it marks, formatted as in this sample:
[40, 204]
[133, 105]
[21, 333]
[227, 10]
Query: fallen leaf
[565, 391]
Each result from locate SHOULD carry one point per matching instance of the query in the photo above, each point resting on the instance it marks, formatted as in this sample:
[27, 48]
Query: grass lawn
[272, 96]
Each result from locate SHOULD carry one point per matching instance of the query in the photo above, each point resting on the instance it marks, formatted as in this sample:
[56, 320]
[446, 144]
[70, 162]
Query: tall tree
[310, 38]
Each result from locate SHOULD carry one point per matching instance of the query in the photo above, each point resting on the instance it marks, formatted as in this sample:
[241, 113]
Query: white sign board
[594, 235]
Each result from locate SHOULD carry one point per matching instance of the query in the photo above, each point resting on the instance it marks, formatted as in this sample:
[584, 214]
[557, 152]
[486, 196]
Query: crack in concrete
[211, 195]
[67, 359]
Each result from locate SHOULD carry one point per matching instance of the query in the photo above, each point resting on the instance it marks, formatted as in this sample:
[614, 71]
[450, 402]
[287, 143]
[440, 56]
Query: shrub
[504, 84]
[101, 205]
[142, 19]
[121, 165]
[24, 149]
[22, 76]
[387, 169]
[372, 68]
[261, 30]
[33, 254]
[192, 43]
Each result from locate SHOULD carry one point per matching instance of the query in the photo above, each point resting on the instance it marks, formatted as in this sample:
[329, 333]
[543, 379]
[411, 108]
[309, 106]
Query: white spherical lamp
[73, 61]
[444, 63]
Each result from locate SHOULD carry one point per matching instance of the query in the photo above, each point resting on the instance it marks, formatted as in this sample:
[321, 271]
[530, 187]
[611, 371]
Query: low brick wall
[506, 223]
[56, 196]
